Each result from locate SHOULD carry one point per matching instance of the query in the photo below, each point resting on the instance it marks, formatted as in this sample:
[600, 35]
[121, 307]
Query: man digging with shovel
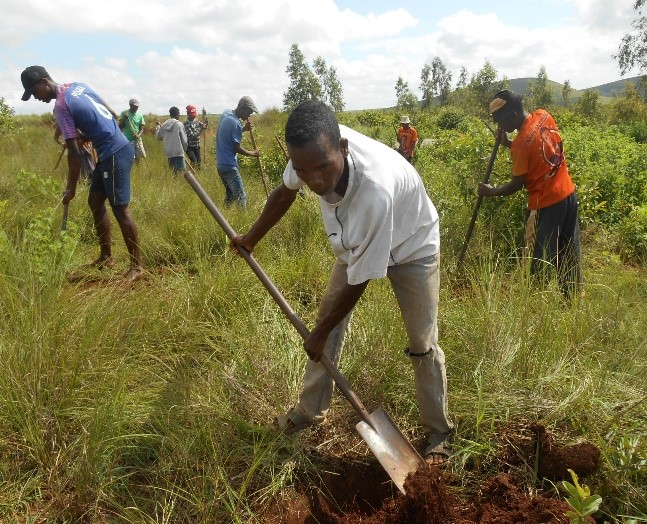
[78, 108]
[380, 222]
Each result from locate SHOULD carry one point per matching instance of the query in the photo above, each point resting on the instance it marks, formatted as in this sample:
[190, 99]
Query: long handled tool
[60, 156]
[205, 122]
[66, 208]
[394, 452]
[475, 213]
[260, 164]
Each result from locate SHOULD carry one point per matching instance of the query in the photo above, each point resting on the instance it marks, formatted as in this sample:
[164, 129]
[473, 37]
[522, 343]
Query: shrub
[632, 238]
[450, 118]
[8, 125]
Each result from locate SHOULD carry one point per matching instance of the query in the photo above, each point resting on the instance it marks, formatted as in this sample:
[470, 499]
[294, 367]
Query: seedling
[581, 500]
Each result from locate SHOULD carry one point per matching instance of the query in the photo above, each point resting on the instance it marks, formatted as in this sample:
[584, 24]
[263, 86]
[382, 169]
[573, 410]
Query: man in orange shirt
[407, 138]
[538, 163]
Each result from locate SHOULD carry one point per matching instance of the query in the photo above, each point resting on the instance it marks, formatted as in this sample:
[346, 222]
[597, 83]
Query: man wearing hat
[193, 128]
[132, 124]
[228, 138]
[539, 164]
[407, 138]
[77, 108]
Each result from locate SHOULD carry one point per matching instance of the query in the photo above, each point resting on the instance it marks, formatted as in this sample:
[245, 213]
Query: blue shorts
[112, 176]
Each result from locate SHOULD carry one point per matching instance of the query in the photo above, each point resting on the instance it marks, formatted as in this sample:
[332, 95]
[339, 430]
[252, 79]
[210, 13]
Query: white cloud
[212, 52]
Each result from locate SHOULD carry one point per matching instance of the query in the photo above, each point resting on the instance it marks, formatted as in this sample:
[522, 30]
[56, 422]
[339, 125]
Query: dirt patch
[351, 492]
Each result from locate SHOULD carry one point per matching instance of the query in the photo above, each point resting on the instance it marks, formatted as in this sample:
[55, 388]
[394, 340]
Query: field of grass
[150, 402]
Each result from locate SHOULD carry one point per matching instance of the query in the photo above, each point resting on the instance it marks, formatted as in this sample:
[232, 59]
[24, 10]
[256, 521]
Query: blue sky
[210, 53]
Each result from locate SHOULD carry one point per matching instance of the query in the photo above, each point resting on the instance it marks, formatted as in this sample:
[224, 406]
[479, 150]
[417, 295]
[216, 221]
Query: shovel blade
[394, 452]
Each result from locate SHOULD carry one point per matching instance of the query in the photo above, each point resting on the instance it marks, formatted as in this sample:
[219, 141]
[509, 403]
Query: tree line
[320, 82]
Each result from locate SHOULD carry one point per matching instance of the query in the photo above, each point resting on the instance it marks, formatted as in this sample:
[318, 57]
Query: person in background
[132, 124]
[380, 223]
[228, 138]
[193, 128]
[78, 108]
[407, 138]
[539, 164]
[175, 142]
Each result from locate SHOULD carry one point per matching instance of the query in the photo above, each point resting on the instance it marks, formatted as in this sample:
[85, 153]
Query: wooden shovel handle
[278, 297]
[475, 213]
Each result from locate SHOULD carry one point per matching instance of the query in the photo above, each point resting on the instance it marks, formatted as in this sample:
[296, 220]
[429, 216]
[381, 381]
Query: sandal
[284, 424]
[437, 455]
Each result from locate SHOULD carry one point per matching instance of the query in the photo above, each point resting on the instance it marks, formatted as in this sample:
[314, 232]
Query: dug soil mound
[350, 491]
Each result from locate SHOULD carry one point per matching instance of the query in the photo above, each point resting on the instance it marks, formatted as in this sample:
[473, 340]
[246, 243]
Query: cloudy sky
[209, 53]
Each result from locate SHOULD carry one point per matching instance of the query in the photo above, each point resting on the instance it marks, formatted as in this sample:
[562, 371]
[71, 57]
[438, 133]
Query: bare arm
[74, 168]
[241, 151]
[279, 201]
[514, 185]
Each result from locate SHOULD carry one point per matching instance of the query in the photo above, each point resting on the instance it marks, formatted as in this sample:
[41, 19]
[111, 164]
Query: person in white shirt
[380, 222]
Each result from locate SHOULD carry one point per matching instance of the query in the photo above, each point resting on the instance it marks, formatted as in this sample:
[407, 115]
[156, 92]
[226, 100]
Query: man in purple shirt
[78, 108]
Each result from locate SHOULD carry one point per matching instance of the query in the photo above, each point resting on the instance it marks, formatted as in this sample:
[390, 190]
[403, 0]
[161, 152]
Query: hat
[405, 120]
[30, 78]
[133, 102]
[191, 110]
[502, 105]
[247, 103]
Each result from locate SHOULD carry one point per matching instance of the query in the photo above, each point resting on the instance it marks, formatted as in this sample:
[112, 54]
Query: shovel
[394, 452]
[475, 213]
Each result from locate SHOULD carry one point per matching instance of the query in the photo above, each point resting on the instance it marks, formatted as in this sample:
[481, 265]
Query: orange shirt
[408, 139]
[538, 153]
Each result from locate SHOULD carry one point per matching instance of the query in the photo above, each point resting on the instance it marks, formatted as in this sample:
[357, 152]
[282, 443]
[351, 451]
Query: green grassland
[150, 402]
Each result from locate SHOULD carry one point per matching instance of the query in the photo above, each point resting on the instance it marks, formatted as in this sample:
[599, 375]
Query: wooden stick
[260, 164]
[475, 213]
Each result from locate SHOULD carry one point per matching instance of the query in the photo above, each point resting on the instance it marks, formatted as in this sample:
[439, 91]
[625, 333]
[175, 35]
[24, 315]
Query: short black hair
[174, 112]
[310, 120]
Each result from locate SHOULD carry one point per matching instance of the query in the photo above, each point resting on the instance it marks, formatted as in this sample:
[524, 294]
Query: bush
[8, 125]
[450, 118]
[632, 238]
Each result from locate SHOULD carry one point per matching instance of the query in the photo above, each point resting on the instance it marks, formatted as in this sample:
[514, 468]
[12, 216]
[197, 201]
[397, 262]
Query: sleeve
[65, 120]
[519, 159]
[183, 137]
[291, 179]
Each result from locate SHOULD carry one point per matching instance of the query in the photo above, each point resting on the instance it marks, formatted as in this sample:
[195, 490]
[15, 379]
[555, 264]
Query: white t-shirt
[384, 219]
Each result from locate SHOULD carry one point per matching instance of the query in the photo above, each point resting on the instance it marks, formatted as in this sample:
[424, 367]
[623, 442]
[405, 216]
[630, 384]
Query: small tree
[331, 89]
[441, 79]
[589, 104]
[407, 101]
[540, 90]
[463, 78]
[566, 92]
[633, 49]
[304, 84]
[7, 121]
[426, 86]
[484, 84]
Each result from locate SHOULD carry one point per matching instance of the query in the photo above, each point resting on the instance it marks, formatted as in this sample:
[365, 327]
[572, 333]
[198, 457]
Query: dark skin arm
[279, 201]
[240, 150]
[515, 183]
[74, 169]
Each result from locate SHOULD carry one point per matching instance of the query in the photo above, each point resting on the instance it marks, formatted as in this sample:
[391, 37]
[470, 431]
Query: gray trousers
[416, 286]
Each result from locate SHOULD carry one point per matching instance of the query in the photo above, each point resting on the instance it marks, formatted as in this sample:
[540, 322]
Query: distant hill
[606, 91]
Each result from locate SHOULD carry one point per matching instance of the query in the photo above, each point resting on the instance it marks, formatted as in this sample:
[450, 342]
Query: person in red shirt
[407, 138]
[539, 164]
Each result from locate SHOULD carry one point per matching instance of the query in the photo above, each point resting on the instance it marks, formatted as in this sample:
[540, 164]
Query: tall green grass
[150, 403]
